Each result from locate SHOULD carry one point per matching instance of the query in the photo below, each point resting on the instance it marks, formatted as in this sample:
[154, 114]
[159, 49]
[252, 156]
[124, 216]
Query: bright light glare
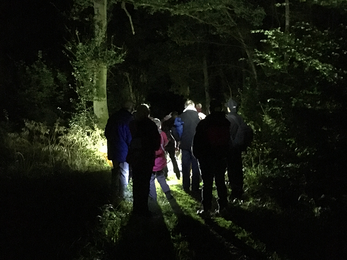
[103, 148]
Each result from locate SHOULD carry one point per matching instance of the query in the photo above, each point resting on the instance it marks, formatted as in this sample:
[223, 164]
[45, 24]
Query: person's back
[159, 166]
[144, 142]
[118, 135]
[212, 136]
[190, 120]
[141, 156]
[160, 157]
[210, 146]
[167, 125]
[235, 172]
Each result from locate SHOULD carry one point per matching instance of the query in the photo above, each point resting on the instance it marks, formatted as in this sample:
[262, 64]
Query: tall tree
[91, 55]
[100, 98]
[228, 18]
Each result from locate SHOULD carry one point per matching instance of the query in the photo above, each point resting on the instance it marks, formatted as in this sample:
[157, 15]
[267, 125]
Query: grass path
[69, 217]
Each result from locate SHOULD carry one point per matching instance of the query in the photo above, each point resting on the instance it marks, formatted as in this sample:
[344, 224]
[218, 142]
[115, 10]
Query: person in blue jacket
[119, 137]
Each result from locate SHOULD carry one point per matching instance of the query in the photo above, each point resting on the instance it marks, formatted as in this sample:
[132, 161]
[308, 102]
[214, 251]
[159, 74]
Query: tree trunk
[100, 98]
[206, 84]
[287, 14]
[130, 85]
[249, 53]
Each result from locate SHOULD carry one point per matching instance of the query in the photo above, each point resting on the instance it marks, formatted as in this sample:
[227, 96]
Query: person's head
[128, 105]
[142, 111]
[216, 106]
[198, 107]
[174, 114]
[157, 122]
[189, 103]
[231, 105]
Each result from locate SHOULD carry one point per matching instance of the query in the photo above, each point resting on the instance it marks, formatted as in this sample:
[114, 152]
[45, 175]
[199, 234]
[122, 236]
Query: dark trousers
[190, 162]
[171, 151]
[235, 173]
[141, 177]
[115, 182]
[213, 168]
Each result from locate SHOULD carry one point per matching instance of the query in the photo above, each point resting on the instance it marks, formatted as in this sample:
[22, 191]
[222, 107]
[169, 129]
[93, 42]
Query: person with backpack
[241, 136]
[210, 147]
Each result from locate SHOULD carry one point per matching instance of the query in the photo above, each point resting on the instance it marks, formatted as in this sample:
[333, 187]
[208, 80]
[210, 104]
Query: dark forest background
[284, 62]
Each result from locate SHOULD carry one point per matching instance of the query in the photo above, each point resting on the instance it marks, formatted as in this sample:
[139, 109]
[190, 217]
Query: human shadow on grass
[204, 242]
[292, 236]
[145, 238]
[46, 218]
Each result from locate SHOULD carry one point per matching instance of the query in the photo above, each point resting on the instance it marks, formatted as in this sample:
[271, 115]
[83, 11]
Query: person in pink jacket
[159, 165]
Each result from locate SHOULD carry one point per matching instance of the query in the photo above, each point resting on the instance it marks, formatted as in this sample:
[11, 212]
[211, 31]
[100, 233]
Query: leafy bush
[299, 149]
[40, 150]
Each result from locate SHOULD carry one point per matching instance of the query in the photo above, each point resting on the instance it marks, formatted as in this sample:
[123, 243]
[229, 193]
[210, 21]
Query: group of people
[136, 141]
[140, 143]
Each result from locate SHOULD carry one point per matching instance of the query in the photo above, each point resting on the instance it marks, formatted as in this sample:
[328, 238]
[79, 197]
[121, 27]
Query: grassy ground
[70, 217]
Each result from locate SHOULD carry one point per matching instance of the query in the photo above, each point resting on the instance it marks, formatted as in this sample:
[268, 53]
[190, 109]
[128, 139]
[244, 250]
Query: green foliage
[107, 232]
[42, 90]
[85, 59]
[89, 51]
[42, 150]
[306, 48]
[341, 4]
[297, 122]
[206, 11]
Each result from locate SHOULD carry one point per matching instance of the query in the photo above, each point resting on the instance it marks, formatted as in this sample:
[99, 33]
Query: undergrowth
[40, 150]
[61, 174]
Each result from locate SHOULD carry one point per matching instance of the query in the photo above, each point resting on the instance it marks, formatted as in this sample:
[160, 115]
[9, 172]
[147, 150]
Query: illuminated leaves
[305, 47]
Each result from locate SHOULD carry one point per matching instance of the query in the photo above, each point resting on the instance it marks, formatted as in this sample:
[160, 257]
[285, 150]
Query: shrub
[40, 150]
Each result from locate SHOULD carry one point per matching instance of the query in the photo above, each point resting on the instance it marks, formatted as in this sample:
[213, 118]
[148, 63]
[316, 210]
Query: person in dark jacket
[235, 172]
[190, 120]
[145, 141]
[118, 137]
[211, 146]
[167, 125]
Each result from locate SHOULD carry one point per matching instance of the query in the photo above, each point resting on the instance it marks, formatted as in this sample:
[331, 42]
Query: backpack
[244, 135]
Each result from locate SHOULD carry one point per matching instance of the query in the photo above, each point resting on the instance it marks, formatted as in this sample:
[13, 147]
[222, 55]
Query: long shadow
[291, 236]
[204, 242]
[46, 218]
[145, 238]
[231, 238]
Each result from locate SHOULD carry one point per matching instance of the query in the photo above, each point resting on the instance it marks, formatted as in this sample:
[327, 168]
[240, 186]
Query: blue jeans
[124, 174]
[162, 181]
[190, 162]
